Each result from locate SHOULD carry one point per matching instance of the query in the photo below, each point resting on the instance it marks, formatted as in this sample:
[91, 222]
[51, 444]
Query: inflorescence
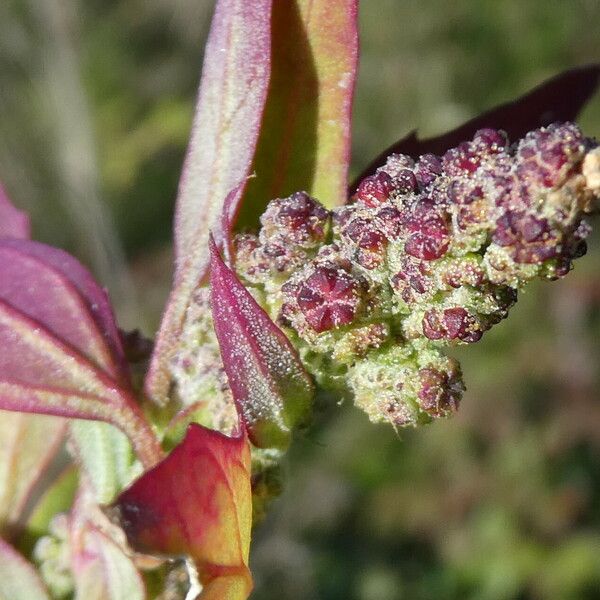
[427, 254]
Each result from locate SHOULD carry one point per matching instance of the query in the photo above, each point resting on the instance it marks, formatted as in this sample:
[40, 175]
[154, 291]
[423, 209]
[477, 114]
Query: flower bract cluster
[428, 253]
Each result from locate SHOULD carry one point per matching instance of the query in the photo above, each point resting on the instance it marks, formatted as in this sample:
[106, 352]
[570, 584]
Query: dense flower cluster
[427, 254]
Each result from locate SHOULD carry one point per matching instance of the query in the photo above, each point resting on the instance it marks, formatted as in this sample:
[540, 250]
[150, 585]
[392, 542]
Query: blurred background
[500, 503]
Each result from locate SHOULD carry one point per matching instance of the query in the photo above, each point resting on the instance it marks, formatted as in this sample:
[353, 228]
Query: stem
[144, 440]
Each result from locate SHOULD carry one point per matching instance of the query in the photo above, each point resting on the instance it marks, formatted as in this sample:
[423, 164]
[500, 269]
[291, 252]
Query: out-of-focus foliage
[502, 502]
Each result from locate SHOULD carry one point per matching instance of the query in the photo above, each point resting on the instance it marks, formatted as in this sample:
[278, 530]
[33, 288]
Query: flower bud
[405, 387]
[428, 254]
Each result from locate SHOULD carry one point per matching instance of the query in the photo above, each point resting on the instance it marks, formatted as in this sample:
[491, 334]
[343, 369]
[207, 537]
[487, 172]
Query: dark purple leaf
[558, 99]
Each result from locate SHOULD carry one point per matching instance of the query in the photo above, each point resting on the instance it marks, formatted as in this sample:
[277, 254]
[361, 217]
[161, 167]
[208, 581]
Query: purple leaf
[272, 390]
[50, 286]
[13, 222]
[230, 105]
[60, 353]
[558, 99]
[29, 442]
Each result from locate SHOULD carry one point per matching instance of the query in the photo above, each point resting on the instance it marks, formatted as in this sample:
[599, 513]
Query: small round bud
[440, 390]
[429, 255]
[427, 169]
[546, 156]
[326, 295]
[375, 189]
[406, 181]
[298, 219]
[396, 163]
[428, 235]
[456, 323]
[365, 236]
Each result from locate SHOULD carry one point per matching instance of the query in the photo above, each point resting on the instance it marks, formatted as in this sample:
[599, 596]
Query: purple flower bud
[427, 169]
[297, 219]
[440, 391]
[427, 232]
[375, 189]
[430, 255]
[396, 163]
[328, 297]
[406, 181]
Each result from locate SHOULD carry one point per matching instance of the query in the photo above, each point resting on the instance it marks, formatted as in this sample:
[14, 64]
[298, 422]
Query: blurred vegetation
[502, 502]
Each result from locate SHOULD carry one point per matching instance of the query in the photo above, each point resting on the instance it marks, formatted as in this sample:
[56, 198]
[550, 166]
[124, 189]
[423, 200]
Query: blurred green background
[502, 502]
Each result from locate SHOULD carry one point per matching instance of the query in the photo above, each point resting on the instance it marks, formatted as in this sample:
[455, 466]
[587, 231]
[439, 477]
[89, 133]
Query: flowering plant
[280, 302]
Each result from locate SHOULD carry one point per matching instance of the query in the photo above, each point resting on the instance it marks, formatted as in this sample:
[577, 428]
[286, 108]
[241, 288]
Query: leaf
[305, 137]
[29, 443]
[18, 579]
[230, 103]
[58, 498]
[107, 457]
[558, 99]
[101, 568]
[60, 353]
[47, 283]
[108, 573]
[229, 109]
[272, 390]
[197, 502]
[13, 222]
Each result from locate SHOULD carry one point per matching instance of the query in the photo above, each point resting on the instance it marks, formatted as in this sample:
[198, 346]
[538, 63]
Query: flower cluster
[427, 254]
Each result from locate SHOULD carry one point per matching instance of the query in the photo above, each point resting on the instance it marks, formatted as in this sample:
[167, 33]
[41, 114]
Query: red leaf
[230, 105]
[272, 390]
[60, 352]
[197, 502]
[305, 137]
[558, 99]
[13, 222]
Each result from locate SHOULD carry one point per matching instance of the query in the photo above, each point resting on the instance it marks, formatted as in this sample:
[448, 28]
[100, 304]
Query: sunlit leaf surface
[197, 502]
[305, 140]
[230, 105]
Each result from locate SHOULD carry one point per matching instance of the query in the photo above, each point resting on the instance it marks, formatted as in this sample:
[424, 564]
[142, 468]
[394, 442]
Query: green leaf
[305, 135]
[107, 457]
[29, 443]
